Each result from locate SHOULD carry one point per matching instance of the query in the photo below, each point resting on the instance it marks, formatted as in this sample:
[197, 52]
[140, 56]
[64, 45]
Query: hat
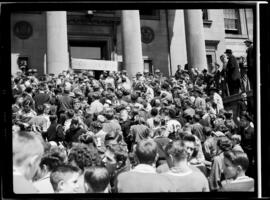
[145, 71]
[197, 89]
[101, 118]
[248, 41]
[90, 74]
[157, 71]
[34, 70]
[218, 133]
[67, 86]
[139, 73]
[86, 80]
[228, 51]
[108, 101]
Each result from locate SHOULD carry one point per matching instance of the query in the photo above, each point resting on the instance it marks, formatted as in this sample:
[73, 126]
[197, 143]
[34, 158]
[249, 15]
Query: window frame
[206, 21]
[237, 19]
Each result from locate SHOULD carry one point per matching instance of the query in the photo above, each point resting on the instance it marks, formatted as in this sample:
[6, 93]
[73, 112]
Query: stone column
[131, 41]
[195, 41]
[57, 42]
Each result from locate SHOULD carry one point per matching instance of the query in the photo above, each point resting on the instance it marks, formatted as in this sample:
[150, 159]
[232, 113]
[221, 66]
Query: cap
[228, 51]
[218, 133]
[67, 86]
[157, 71]
[197, 89]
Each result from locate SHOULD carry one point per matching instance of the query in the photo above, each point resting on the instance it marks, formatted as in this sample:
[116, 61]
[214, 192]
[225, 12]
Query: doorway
[97, 50]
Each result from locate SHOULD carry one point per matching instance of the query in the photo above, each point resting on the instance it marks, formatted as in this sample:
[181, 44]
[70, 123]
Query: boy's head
[235, 163]
[236, 139]
[189, 141]
[64, 179]
[96, 179]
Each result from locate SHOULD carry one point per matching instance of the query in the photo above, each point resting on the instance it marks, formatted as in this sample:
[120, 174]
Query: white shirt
[218, 100]
[172, 126]
[96, 107]
[44, 185]
[144, 168]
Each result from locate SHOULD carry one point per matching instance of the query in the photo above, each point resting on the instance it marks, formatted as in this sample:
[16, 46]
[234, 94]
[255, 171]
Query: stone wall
[35, 47]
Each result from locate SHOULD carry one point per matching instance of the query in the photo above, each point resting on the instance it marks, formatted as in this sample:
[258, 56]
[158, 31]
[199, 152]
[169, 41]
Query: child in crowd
[64, 179]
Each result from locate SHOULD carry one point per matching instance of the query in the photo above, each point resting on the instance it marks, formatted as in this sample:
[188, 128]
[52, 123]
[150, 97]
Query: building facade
[133, 40]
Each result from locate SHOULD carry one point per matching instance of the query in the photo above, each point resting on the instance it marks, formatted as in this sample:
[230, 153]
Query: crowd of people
[73, 133]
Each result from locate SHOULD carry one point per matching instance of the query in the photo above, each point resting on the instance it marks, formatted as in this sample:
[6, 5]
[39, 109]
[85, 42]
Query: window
[232, 21]
[204, 14]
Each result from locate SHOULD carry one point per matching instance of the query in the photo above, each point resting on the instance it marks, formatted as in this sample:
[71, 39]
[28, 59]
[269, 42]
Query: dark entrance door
[89, 50]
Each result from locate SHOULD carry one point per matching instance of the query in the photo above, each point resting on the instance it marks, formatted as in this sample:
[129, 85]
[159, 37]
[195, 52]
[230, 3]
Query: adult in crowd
[182, 176]
[233, 73]
[96, 180]
[217, 169]
[143, 177]
[52, 158]
[74, 132]
[27, 152]
[251, 65]
[236, 164]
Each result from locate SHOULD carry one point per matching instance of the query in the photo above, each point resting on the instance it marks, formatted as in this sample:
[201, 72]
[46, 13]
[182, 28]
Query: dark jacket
[250, 58]
[64, 102]
[248, 139]
[197, 129]
[41, 98]
[72, 135]
[233, 71]
[55, 133]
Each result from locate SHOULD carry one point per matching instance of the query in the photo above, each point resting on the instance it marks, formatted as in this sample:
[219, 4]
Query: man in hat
[250, 62]
[139, 77]
[248, 143]
[41, 96]
[233, 73]
[158, 75]
[65, 101]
